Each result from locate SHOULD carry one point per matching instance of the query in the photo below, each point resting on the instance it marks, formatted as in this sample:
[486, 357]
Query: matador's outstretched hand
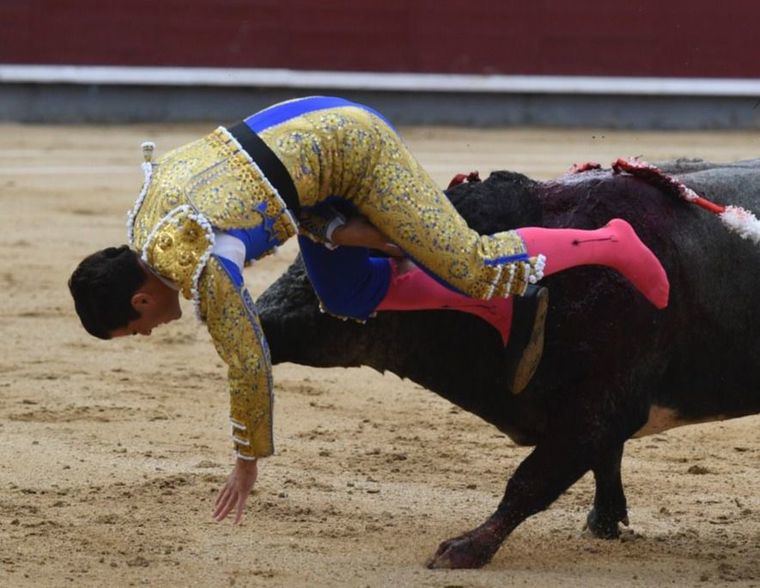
[236, 490]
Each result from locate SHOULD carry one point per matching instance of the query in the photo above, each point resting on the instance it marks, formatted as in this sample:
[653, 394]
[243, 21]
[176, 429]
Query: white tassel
[538, 269]
[742, 222]
[148, 148]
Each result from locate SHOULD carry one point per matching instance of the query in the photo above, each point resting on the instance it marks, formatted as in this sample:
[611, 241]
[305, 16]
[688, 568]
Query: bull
[613, 367]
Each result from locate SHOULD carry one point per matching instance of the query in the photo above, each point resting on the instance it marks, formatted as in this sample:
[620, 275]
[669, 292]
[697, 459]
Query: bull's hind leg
[552, 467]
[609, 502]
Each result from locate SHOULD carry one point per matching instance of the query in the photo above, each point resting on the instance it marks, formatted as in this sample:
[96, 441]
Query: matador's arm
[231, 317]
[319, 222]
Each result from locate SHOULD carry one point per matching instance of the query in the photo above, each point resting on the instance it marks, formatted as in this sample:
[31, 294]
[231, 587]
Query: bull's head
[299, 332]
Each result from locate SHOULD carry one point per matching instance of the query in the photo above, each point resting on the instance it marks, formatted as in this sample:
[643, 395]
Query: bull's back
[699, 353]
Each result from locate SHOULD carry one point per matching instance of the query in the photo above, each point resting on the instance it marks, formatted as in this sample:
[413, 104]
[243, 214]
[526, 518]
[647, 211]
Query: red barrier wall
[536, 37]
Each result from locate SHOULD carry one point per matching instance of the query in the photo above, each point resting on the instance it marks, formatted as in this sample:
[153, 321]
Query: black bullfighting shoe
[526, 337]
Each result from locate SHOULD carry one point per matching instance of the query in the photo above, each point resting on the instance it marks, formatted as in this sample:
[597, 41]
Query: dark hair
[102, 287]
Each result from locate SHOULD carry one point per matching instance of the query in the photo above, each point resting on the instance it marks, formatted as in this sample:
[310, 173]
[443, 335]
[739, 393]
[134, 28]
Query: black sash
[270, 165]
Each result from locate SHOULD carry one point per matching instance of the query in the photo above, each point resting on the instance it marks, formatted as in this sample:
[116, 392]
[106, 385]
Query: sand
[111, 453]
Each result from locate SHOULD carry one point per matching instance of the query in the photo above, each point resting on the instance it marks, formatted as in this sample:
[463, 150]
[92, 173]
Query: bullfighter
[209, 207]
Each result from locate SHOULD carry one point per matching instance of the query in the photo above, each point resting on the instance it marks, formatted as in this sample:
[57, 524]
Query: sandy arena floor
[111, 452]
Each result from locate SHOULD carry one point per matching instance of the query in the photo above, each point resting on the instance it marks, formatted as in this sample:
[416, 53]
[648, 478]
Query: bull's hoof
[604, 526]
[471, 550]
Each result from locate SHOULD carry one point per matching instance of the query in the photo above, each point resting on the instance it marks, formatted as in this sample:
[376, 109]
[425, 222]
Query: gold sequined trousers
[352, 152]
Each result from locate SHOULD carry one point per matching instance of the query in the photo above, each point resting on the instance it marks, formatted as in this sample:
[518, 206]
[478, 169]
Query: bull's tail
[736, 219]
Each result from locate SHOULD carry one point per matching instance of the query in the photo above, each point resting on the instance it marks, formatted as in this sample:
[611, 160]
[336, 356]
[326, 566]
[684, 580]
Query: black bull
[613, 365]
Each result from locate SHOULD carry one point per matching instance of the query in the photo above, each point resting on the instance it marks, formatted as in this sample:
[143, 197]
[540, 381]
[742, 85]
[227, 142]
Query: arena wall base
[74, 103]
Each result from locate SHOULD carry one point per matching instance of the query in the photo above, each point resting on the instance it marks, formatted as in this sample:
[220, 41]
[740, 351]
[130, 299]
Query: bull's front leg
[553, 466]
[609, 501]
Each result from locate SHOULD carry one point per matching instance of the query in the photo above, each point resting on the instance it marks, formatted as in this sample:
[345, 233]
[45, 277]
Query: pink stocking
[415, 290]
[614, 245]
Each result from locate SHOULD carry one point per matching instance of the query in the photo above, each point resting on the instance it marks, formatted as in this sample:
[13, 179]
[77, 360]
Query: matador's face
[157, 304]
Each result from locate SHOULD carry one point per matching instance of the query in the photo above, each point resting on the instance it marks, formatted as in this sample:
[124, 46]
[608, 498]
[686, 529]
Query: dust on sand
[112, 452]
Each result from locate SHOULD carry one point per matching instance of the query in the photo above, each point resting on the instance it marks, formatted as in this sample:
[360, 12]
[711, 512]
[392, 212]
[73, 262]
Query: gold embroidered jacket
[211, 183]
